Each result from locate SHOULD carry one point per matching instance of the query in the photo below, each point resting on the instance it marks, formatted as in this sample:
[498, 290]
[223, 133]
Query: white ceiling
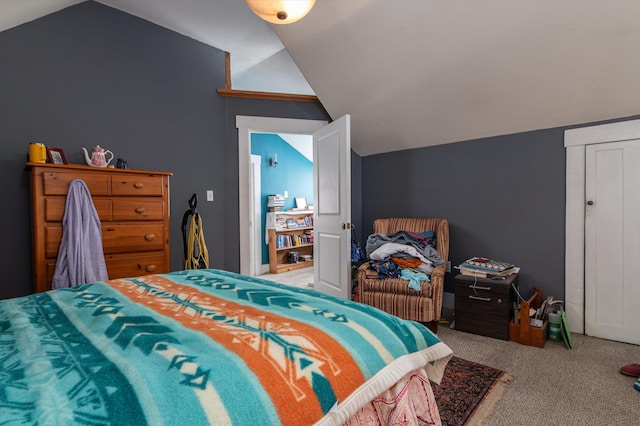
[416, 73]
[259, 61]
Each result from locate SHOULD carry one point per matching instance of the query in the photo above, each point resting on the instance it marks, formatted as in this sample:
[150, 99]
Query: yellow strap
[197, 252]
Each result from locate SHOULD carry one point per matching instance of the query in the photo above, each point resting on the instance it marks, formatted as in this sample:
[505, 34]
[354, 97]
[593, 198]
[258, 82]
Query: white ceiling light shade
[281, 11]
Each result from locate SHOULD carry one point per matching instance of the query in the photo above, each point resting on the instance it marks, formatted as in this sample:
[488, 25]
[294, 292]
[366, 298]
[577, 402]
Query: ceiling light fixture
[281, 11]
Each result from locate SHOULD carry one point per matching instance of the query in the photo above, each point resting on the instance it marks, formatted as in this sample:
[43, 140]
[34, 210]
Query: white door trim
[247, 125]
[575, 141]
[256, 216]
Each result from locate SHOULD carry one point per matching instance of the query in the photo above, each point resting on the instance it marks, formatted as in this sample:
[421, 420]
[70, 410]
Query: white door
[612, 241]
[332, 208]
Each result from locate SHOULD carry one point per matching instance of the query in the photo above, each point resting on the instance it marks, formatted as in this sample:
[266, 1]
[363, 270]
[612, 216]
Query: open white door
[332, 208]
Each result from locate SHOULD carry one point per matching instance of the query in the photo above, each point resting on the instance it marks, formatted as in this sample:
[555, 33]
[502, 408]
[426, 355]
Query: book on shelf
[291, 223]
[280, 223]
[294, 240]
[276, 201]
[303, 222]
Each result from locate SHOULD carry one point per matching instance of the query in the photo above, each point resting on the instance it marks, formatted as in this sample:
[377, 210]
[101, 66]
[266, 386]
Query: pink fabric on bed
[408, 402]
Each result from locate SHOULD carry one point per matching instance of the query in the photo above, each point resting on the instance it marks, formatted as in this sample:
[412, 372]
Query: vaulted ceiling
[416, 73]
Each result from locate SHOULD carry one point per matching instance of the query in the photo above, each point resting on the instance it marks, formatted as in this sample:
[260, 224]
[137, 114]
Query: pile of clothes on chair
[407, 255]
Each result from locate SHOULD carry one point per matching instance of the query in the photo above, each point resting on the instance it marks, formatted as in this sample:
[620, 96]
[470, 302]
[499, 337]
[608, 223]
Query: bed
[211, 347]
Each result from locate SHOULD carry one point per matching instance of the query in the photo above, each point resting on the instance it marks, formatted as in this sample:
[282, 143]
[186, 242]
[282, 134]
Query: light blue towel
[414, 278]
[80, 257]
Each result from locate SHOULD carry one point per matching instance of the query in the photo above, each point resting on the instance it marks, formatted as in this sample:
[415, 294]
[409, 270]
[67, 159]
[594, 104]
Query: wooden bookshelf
[294, 233]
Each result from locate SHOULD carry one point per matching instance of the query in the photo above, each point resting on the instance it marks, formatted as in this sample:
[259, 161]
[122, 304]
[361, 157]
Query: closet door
[612, 241]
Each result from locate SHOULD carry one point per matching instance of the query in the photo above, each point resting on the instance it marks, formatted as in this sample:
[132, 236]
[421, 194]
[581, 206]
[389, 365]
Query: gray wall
[504, 198]
[356, 196]
[89, 75]
[92, 75]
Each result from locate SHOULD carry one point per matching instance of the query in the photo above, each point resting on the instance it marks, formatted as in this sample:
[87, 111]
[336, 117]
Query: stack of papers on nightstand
[486, 268]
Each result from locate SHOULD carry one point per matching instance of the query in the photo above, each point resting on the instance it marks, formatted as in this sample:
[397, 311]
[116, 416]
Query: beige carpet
[487, 407]
[554, 385]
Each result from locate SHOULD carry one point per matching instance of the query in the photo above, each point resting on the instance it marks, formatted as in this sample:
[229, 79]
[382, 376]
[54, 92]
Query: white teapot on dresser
[98, 157]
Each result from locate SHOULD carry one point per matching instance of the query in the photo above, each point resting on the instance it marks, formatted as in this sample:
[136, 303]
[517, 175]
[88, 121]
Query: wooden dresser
[133, 206]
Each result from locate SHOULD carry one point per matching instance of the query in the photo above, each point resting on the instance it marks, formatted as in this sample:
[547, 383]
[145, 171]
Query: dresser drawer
[137, 185]
[123, 238]
[116, 238]
[483, 306]
[134, 208]
[483, 318]
[123, 266]
[56, 183]
[491, 294]
[54, 209]
[52, 237]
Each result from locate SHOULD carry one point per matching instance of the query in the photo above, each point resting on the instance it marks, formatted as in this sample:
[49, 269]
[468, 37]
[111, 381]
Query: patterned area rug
[469, 392]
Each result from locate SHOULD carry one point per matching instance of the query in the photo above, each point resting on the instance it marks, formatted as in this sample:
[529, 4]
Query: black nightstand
[484, 306]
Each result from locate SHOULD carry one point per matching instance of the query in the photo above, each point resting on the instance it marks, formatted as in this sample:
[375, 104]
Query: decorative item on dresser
[133, 206]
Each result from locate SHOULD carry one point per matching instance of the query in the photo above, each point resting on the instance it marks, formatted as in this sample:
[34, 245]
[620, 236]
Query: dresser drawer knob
[151, 268]
[150, 237]
[483, 299]
[139, 210]
[138, 185]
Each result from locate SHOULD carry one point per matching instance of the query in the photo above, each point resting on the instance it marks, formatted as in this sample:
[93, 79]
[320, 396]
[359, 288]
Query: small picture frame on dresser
[56, 156]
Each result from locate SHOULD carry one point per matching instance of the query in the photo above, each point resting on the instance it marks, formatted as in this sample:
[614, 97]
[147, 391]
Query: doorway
[287, 170]
[246, 126]
[602, 231]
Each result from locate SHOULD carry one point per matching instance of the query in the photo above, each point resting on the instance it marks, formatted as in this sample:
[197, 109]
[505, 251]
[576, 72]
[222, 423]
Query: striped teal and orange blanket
[200, 347]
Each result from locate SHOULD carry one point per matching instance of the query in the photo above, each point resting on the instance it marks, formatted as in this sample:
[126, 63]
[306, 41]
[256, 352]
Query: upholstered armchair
[393, 295]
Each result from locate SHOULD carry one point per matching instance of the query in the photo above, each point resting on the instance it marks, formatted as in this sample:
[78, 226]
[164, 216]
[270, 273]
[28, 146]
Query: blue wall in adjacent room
[293, 173]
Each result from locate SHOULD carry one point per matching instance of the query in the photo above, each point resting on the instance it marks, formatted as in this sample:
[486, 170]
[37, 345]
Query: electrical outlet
[209, 195]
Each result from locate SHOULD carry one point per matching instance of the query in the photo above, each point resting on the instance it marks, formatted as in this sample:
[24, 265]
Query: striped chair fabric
[393, 295]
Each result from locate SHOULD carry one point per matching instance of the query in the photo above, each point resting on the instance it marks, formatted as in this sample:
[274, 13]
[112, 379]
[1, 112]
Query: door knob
[589, 203]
